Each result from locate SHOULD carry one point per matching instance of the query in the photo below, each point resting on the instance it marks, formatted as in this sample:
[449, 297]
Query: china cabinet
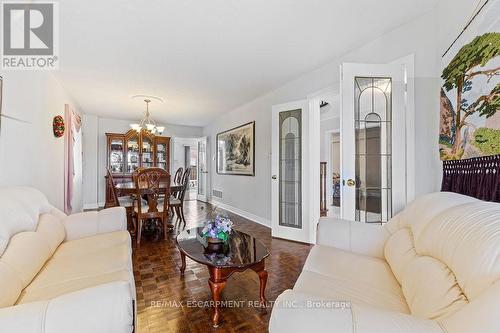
[129, 151]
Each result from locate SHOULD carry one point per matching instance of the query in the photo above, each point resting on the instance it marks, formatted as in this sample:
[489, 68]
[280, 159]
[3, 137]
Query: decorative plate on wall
[58, 126]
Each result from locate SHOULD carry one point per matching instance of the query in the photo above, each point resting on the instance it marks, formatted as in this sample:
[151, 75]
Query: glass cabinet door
[132, 154]
[116, 156]
[161, 155]
[147, 152]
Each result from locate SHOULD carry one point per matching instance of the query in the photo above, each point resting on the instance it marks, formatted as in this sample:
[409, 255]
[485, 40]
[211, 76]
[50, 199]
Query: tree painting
[235, 151]
[473, 75]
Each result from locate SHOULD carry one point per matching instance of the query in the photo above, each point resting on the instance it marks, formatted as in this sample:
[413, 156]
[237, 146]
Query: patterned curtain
[477, 177]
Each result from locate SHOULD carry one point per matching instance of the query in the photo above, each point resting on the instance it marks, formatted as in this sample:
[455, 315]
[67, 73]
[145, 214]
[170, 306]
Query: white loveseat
[63, 273]
[434, 268]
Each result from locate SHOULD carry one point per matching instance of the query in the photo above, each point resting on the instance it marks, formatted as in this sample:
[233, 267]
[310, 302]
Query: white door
[290, 171]
[373, 141]
[202, 169]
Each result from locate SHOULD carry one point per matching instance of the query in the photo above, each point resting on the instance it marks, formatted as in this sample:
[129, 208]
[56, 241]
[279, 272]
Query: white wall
[30, 155]
[94, 151]
[418, 37]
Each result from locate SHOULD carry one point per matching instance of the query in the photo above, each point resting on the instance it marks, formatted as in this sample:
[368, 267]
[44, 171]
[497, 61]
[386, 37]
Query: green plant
[461, 71]
[487, 140]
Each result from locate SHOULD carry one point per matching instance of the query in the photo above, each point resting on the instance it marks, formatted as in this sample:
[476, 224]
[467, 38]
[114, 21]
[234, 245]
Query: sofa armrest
[358, 237]
[101, 309]
[92, 223]
[297, 312]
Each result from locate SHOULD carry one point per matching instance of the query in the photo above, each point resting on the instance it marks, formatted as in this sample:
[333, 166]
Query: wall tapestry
[235, 151]
[470, 92]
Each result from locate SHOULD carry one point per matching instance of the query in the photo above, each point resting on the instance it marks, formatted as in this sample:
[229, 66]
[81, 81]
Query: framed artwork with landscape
[470, 92]
[236, 151]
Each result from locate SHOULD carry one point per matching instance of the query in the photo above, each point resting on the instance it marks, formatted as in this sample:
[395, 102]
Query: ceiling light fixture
[147, 123]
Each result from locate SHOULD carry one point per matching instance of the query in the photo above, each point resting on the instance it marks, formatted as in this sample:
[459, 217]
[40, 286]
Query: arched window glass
[373, 114]
[290, 150]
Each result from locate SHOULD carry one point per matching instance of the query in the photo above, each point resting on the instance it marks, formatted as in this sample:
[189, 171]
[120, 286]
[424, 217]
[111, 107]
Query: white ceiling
[207, 57]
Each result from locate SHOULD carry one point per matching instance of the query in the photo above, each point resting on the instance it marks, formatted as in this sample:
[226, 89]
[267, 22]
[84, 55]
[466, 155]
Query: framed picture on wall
[236, 151]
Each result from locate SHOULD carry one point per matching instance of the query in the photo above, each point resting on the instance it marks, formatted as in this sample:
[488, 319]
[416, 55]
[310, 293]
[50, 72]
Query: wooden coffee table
[240, 253]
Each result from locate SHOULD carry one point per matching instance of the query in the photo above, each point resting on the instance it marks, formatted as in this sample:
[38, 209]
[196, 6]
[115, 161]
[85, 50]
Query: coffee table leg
[216, 288]
[183, 263]
[263, 280]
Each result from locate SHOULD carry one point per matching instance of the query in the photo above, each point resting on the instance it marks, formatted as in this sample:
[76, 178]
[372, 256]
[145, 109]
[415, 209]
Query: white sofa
[434, 268]
[63, 273]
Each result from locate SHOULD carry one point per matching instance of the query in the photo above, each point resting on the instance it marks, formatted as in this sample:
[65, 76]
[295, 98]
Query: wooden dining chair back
[178, 175]
[177, 203]
[110, 186]
[148, 184]
[185, 184]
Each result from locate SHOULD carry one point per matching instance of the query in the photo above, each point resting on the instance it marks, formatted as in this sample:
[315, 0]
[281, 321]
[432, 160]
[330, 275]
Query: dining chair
[124, 201]
[177, 179]
[177, 203]
[178, 175]
[147, 183]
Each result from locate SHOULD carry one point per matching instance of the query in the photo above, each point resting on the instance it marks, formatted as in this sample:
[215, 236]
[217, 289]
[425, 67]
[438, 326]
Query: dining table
[127, 188]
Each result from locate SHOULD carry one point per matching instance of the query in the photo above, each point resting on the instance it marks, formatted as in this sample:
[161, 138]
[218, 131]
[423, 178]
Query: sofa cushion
[444, 252]
[19, 211]
[81, 264]
[346, 276]
[26, 254]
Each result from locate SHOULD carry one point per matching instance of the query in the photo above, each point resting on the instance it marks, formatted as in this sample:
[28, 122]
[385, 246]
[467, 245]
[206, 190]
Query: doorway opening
[185, 156]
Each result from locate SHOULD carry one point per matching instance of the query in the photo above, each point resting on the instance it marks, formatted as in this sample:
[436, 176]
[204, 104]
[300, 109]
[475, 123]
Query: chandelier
[147, 123]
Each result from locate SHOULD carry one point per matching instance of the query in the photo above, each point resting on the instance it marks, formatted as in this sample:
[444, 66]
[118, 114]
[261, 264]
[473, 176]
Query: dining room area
[140, 178]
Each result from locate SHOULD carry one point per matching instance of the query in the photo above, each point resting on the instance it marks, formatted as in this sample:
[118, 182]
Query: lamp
[147, 123]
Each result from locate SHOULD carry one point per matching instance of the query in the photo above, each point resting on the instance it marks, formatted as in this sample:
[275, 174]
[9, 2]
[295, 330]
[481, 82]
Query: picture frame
[236, 151]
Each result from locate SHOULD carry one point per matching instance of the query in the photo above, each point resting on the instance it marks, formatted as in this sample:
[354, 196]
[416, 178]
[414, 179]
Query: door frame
[329, 166]
[314, 99]
[200, 197]
[407, 63]
[310, 168]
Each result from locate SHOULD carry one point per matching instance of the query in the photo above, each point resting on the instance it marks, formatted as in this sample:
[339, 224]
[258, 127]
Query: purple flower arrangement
[220, 227]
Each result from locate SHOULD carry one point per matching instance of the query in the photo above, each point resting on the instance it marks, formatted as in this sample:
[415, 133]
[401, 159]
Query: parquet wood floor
[166, 302]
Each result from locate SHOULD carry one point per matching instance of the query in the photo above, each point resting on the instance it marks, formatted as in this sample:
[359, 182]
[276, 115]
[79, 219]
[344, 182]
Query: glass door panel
[116, 156]
[373, 125]
[161, 155]
[147, 152]
[132, 154]
[290, 167]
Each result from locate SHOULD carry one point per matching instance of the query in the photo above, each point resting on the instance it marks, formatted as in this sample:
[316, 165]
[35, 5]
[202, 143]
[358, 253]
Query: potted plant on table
[218, 229]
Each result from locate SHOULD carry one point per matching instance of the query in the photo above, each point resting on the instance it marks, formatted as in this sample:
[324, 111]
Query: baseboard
[242, 213]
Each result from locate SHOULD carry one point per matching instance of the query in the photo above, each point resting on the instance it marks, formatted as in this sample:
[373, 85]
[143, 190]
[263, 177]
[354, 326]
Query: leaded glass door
[373, 142]
[289, 179]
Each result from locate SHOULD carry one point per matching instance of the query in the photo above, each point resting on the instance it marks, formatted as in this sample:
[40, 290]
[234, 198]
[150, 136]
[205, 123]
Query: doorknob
[274, 177]
[351, 182]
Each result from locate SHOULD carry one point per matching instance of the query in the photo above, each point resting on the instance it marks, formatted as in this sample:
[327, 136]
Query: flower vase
[213, 240]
